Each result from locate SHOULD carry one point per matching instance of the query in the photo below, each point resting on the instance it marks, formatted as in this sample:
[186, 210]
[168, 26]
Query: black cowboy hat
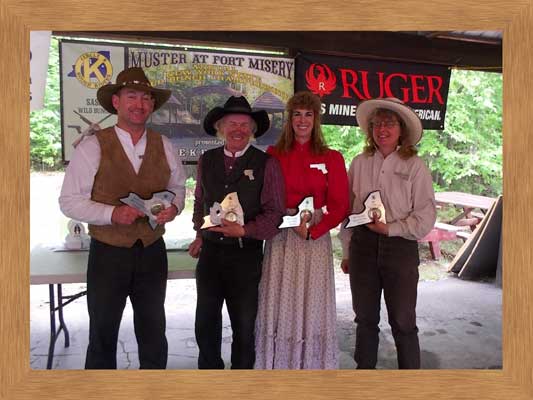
[236, 105]
[133, 78]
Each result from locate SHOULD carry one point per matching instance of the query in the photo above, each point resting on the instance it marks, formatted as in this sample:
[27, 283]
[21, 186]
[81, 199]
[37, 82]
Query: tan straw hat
[413, 131]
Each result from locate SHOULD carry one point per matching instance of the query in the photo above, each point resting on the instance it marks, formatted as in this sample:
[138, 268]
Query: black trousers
[230, 273]
[389, 264]
[113, 274]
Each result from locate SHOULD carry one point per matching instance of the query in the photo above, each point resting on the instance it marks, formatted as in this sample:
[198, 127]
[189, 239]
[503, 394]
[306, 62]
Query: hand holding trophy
[230, 209]
[226, 218]
[373, 211]
[305, 212]
[150, 207]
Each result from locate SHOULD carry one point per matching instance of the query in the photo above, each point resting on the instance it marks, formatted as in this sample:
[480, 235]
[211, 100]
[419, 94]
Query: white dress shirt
[75, 198]
[406, 190]
[238, 153]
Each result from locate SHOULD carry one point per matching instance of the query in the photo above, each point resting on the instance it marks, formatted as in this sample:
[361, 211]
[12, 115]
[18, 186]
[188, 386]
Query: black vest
[216, 185]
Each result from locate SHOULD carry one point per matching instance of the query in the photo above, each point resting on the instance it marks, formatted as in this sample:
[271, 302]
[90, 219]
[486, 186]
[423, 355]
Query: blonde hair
[306, 101]
[405, 151]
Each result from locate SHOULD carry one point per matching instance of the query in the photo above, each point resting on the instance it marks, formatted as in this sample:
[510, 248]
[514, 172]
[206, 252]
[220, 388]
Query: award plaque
[305, 208]
[373, 208]
[230, 209]
[152, 206]
[77, 238]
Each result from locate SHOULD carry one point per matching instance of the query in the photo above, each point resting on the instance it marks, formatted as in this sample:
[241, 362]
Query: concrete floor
[459, 328]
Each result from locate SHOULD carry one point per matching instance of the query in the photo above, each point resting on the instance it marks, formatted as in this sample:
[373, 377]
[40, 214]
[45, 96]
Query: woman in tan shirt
[384, 256]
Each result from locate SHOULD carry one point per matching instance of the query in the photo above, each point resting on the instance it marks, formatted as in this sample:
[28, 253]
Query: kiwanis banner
[199, 81]
[84, 67]
[343, 82]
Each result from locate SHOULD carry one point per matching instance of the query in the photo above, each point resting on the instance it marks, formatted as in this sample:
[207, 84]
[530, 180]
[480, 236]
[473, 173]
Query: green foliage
[45, 127]
[190, 183]
[349, 140]
[467, 155]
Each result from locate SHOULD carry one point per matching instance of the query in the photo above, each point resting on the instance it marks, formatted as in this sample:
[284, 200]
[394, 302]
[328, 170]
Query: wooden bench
[441, 232]
[463, 234]
[450, 228]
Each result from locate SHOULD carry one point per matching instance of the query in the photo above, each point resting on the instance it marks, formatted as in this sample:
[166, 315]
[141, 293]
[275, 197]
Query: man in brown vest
[127, 258]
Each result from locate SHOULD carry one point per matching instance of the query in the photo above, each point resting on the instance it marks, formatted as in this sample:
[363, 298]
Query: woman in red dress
[296, 320]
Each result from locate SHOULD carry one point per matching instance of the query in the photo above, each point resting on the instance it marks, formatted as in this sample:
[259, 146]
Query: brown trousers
[389, 264]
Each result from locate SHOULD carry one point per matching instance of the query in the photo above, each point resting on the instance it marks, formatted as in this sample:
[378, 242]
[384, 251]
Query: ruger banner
[343, 82]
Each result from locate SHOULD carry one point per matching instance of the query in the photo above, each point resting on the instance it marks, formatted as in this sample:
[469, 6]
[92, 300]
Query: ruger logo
[320, 79]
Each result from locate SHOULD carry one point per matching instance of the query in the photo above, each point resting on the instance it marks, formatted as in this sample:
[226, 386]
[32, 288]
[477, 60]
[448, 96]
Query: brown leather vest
[116, 177]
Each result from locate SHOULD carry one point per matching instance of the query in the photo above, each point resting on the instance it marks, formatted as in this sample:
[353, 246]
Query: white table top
[49, 267]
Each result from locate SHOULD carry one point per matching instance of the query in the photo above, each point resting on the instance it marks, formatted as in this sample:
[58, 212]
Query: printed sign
[343, 82]
[199, 81]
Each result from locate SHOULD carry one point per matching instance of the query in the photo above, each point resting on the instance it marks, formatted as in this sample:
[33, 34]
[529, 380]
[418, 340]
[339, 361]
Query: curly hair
[306, 101]
[405, 151]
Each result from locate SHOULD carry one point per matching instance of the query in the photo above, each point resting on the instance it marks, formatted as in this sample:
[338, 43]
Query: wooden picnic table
[465, 200]
[468, 202]
[465, 219]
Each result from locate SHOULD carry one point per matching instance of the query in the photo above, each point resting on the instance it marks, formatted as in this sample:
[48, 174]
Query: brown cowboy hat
[133, 78]
[236, 105]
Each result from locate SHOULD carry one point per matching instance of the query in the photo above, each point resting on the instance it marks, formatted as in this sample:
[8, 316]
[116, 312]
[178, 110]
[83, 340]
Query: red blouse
[328, 189]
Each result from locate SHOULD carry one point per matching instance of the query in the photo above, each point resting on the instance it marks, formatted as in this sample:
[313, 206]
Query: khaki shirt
[406, 191]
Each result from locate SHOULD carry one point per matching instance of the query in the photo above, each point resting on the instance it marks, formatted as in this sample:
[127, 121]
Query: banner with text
[199, 81]
[343, 82]
[84, 67]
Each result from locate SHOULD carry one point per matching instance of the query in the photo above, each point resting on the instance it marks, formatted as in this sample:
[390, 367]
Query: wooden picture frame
[18, 17]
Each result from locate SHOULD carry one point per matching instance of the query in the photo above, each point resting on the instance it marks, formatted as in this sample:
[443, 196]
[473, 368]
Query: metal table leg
[62, 326]
[53, 333]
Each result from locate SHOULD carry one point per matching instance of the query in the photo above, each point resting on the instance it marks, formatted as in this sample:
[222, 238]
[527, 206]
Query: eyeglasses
[386, 124]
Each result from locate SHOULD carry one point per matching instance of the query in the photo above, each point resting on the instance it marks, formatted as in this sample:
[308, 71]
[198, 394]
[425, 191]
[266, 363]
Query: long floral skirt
[296, 319]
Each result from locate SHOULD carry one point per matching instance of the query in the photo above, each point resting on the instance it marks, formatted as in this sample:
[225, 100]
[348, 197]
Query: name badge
[249, 173]
[320, 167]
